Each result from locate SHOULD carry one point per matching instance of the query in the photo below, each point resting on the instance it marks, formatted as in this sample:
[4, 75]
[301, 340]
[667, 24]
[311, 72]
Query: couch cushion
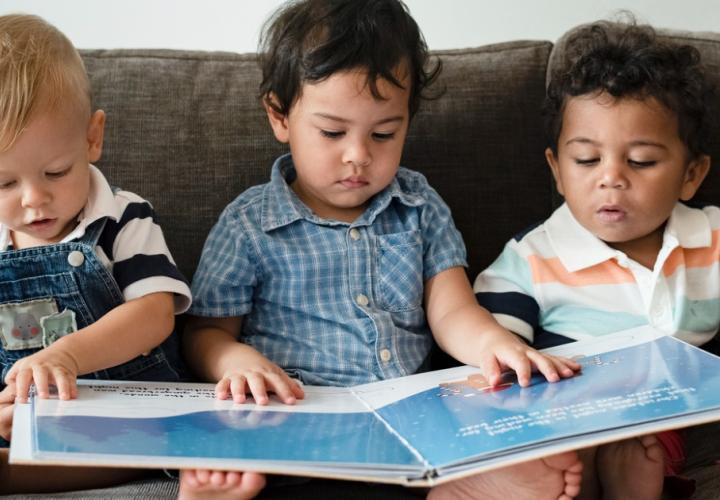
[186, 130]
[481, 144]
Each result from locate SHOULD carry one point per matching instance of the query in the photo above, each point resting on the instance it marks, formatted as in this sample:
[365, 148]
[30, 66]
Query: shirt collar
[688, 227]
[100, 203]
[281, 206]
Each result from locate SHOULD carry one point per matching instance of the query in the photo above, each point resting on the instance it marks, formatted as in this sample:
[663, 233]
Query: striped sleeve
[140, 259]
[506, 290]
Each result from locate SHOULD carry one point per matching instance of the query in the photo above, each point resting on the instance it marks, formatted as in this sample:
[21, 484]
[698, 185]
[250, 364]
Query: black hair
[627, 60]
[310, 40]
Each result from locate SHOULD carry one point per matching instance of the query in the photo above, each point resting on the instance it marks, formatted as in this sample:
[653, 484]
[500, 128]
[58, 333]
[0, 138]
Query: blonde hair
[40, 70]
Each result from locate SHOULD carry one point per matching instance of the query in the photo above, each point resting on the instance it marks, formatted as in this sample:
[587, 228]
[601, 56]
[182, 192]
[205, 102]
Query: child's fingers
[41, 378]
[238, 388]
[491, 369]
[222, 391]
[7, 395]
[545, 365]
[281, 385]
[256, 383]
[297, 389]
[565, 367]
[23, 379]
[520, 364]
[65, 384]
[569, 366]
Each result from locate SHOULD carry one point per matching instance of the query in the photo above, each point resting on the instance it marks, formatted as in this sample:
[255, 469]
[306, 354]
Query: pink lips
[353, 183]
[41, 223]
[611, 213]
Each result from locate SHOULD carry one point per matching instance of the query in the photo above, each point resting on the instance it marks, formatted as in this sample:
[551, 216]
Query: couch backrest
[186, 131]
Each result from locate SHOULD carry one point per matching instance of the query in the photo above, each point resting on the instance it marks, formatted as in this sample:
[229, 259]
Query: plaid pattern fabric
[333, 303]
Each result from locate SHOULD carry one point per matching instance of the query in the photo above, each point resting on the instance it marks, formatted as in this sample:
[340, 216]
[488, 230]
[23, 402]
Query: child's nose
[358, 154]
[613, 175]
[35, 196]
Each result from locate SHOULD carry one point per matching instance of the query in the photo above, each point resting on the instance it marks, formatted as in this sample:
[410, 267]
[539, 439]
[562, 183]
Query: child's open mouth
[611, 214]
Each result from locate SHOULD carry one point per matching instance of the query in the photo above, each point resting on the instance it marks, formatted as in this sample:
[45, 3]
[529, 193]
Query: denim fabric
[332, 303]
[80, 284]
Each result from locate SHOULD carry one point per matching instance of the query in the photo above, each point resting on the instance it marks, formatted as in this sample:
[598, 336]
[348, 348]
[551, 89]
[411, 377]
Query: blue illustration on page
[465, 418]
[252, 435]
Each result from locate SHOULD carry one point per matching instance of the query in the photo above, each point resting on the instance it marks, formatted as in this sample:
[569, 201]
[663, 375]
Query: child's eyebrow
[340, 119]
[585, 140]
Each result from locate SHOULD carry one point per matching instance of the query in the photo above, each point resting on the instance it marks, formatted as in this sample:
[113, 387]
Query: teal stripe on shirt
[511, 263]
[698, 315]
[568, 320]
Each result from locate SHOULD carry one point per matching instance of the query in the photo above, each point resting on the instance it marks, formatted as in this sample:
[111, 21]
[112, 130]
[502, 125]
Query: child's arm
[214, 353]
[471, 335]
[133, 328]
[7, 404]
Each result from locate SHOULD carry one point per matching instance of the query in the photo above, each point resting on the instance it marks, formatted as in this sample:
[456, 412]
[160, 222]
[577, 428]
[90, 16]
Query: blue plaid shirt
[332, 303]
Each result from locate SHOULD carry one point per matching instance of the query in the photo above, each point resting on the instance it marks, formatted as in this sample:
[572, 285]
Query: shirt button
[76, 258]
[354, 234]
[385, 355]
[362, 300]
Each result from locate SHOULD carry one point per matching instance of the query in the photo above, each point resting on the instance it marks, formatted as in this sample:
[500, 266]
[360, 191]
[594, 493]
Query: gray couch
[186, 130]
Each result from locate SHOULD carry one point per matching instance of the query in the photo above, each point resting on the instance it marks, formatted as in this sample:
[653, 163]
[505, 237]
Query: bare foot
[552, 478]
[631, 469]
[219, 485]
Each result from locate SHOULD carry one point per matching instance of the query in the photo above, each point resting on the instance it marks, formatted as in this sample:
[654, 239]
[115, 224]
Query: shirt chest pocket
[399, 265]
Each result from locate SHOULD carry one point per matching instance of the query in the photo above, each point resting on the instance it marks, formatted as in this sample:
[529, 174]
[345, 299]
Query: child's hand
[7, 405]
[504, 350]
[50, 366]
[259, 378]
[237, 485]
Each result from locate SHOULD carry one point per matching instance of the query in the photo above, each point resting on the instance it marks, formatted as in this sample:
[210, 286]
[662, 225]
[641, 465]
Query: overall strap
[93, 232]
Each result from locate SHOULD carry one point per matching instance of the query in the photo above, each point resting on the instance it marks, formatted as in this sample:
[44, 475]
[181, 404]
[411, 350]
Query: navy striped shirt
[132, 246]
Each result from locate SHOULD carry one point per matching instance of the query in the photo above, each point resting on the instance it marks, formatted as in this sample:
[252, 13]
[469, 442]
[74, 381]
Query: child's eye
[586, 161]
[59, 173]
[7, 184]
[332, 134]
[378, 136]
[642, 164]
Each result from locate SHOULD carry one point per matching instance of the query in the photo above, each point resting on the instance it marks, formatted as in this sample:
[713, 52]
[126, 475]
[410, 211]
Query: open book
[418, 430]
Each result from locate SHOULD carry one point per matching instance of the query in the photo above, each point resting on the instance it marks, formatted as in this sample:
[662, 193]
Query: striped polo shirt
[560, 279]
[132, 246]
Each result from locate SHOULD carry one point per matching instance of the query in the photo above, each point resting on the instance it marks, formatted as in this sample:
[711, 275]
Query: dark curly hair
[624, 59]
[310, 40]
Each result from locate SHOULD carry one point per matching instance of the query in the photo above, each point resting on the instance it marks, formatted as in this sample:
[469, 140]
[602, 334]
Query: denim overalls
[50, 291]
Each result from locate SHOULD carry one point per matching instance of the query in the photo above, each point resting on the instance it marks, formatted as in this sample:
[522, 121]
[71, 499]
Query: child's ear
[95, 135]
[278, 121]
[694, 176]
[554, 168]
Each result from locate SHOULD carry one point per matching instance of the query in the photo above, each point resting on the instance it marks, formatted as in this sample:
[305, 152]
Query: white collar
[577, 248]
[100, 203]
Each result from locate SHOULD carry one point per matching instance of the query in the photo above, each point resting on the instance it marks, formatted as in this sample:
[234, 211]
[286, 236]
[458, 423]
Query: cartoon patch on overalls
[25, 327]
[21, 323]
[57, 325]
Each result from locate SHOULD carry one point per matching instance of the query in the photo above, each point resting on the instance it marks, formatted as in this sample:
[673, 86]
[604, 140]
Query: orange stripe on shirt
[694, 257]
[552, 271]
